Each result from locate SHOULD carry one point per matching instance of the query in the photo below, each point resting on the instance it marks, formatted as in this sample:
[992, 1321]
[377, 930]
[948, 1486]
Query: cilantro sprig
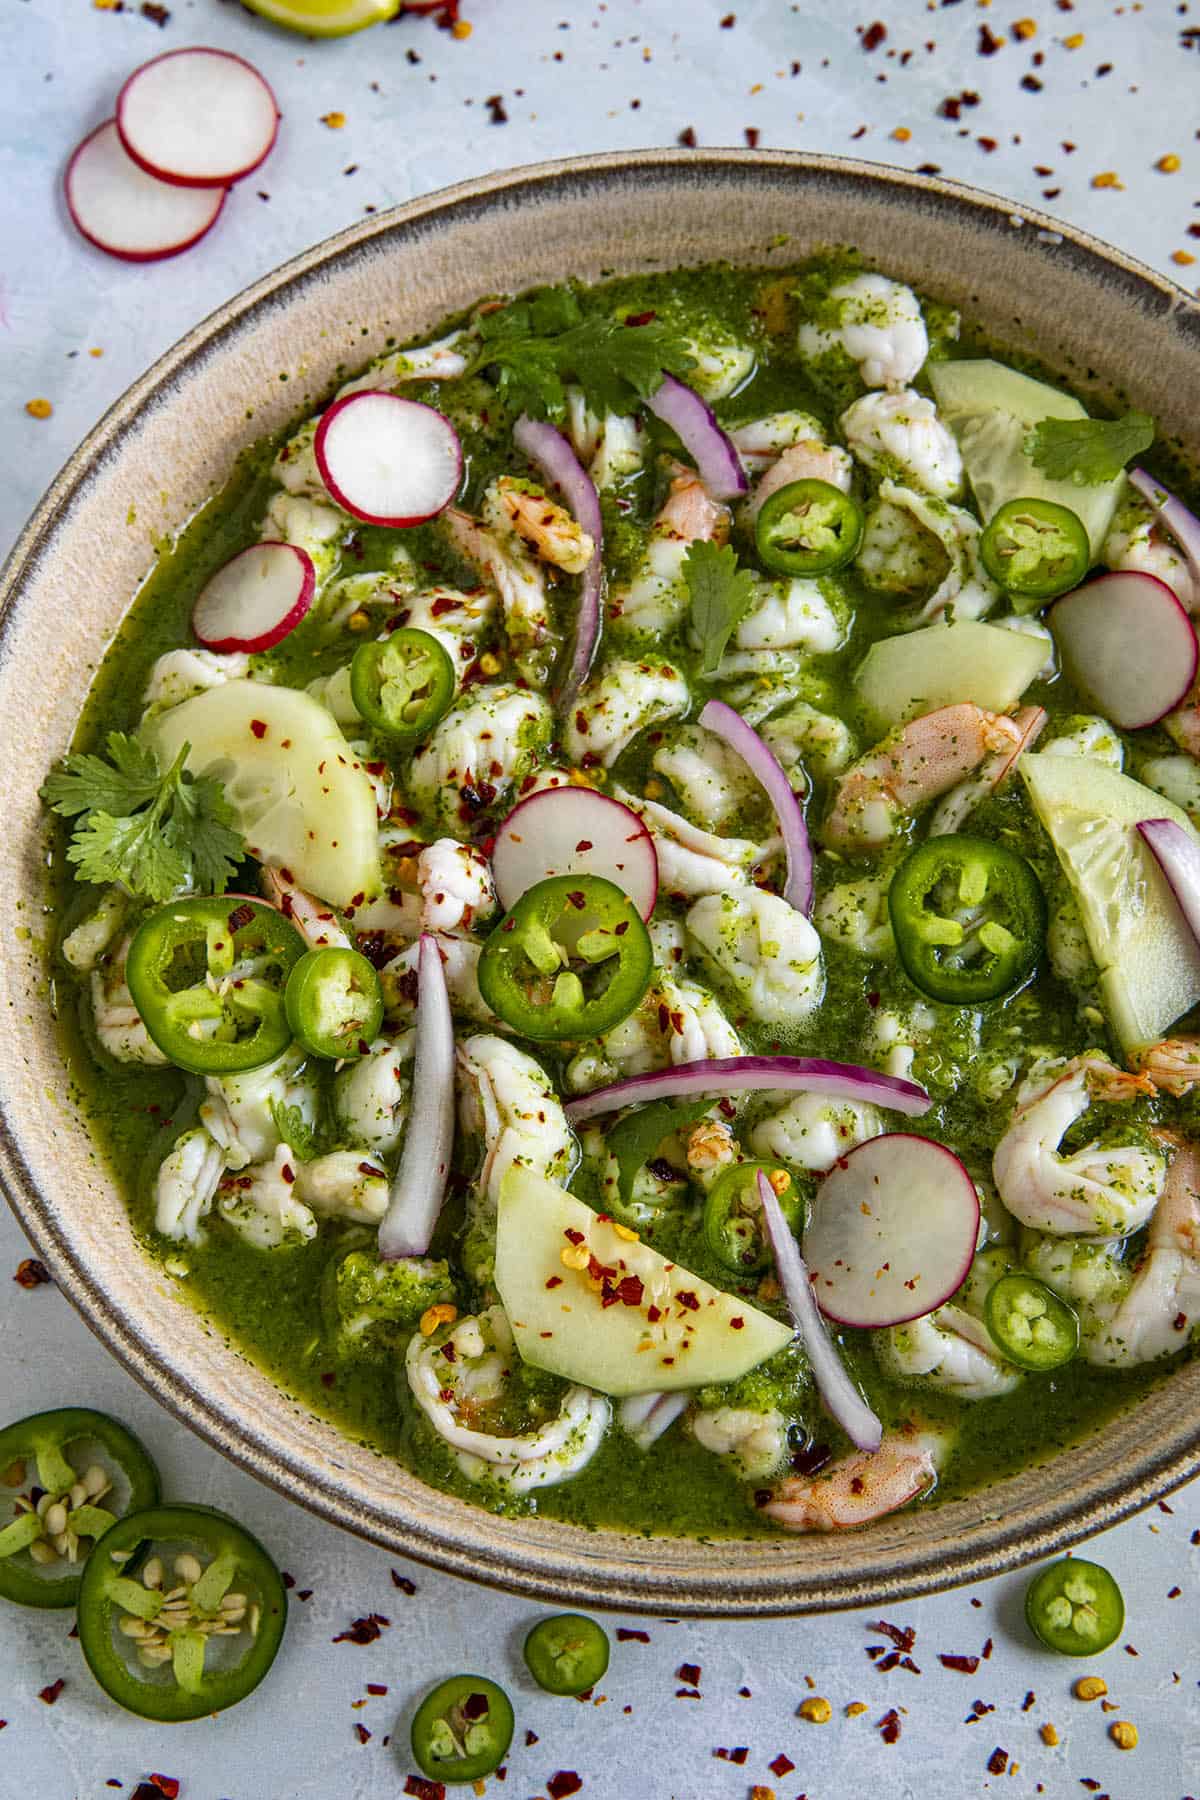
[721, 596]
[535, 347]
[152, 832]
[1088, 452]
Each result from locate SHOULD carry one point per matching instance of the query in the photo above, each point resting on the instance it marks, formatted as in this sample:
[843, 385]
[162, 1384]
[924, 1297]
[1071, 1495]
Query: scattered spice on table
[626, 1635]
[363, 1631]
[1123, 1734]
[889, 1726]
[420, 1789]
[964, 1665]
[562, 1783]
[38, 408]
[334, 120]
[50, 1694]
[403, 1583]
[32, 1273]
[997, 1761]
[816, 1710]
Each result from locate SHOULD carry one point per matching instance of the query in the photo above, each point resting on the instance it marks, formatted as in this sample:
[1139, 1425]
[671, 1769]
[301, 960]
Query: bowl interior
[1103, 322]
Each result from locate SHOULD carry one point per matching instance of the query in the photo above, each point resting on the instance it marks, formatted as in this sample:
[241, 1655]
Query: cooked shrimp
[1172, 1065]
[316, 922]
[877, 323]
[501, 557]
[547, 528]
[755, 1442]
[948, 1349]
[656, 598]
[1104, 1190]
[809, 460]
[1184, 723]
[858, 1487]
[917, 763]
[1161, 1309]
[953, 812]
[119, 1027]
[1138, 541]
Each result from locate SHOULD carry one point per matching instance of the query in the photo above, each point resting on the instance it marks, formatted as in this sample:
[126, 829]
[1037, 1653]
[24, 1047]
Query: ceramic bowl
[1104, 322]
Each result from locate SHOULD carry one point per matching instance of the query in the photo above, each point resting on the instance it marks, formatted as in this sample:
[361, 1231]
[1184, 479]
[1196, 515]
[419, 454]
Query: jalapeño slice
[1035, 549]
[1033, 1327]
[198, 1626]
[208, 978]
[733, 1221]
[462, 1729]
[567, 1654]
[571, 960]
[402, 684]
[69, 1475]
[334, 1002]
[808, 528]
[969, 918]
[1075, 1607]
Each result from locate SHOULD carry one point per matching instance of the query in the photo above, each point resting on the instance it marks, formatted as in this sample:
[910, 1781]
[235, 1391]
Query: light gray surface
[58, 301]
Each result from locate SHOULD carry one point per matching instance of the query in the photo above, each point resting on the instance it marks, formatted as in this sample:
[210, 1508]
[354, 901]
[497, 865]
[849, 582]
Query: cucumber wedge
[303, 800]
[562, 1324]
[918, 671]
[990, 409]
[1149, 961]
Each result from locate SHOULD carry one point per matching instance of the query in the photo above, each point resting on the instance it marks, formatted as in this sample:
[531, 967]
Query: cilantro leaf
[721, 594]
[633, 1140]
[1088, 452]
[150, 833]
[535, 347]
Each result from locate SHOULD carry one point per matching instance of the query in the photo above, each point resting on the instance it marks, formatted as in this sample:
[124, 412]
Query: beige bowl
[1086, 310]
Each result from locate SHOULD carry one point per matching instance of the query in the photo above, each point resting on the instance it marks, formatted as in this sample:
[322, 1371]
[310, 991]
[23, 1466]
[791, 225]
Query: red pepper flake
[363, 1631]
[143, 1791]
[687, 1694]
[997, 1761]
[304, 1594]
[573, 1236]
[626, 1635]
[1195, 1537]
[531, 1737]
[687, 137]
[362, 1734]
[1129, 1650]
[32, 1273]
[965, 1665]
[989, 43]
[687, 1299]
[745, 1694]
[376, 1687]
[420, 1789]
[289, 1581]
[564, 1782]
[1174, 1593]
[554, 1281]
[739, 1754]
[889, 1727]
[689, 1672]
[903, 1636]
[874, 35]
[50, 1694]
[737, 1324]
[1087, 1782]
[1029, 1701]
[167, 1785]
[751, 134]
[630, 1290]
[986, 1652]
[979, 1710]
[1031, 84]
[654, 1314]
[781, 1766]
[259, 727]
[728, 22]
[496, 112]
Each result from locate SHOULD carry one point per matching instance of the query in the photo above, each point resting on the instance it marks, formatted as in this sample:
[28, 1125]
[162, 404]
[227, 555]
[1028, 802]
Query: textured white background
[573, 77]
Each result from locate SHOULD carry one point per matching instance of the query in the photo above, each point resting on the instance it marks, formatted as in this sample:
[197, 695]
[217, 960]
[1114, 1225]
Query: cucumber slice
[1149, 961]
[562, 1324]
[918, 671]
[302, 799]
[990, 409]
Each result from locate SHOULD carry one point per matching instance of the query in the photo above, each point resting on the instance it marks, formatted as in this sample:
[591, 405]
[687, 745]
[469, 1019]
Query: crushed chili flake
[50, 1694]
[903, 1636]
[167, 1785]
[1029, 1701]
[157, 15]
[989, 43]
[979, 1710]
[403, 1583]
[626, 1635]
[965, 1665]
[305, 1594]
[376, 1687]
[687, 1694]
[739, 1754]
[1174, 1593]
[531, 1738]
[997, 1761]
[564, 1782]
[363, 1631]
[31, 1273]
[1129, 1650]
[889, 1726]
[986, 1652]
[689, 1672]
[687, 137]
[781, 1766]
[362, 1734]
[421, 1789]
[874, 35]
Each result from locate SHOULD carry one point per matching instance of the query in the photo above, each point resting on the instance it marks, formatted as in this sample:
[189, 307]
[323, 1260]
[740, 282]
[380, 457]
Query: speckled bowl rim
[479, 1546]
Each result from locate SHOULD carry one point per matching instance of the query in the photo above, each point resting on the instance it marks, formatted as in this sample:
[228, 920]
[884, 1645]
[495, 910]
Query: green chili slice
[402, 684]
[733, 1221]
[208, 978]
[808, 528]
[1033, 1327]
[334, 1003]
[70, 1468]
[199, 1626]
[969, 918]
[567, 1654]
[462, 1729]
[1035, 549]
[571, 960]
[1075, 1607]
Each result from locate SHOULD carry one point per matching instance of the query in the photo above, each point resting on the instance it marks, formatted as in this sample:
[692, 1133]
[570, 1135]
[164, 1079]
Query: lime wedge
[325, 18]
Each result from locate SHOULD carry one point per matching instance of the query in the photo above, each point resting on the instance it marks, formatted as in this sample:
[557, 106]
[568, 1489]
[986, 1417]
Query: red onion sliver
[756, 1074]
[840, 1397]
[1183, 525]
[767, 770]
[1177, 854]
[553, 455]
[695, 425]
[419, 1184]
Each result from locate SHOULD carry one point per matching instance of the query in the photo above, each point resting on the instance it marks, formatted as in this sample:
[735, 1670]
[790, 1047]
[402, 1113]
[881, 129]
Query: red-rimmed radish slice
[255, 600]
[388, 460]
[892, 1231]
[119, 208]
[1128, 644]
[574, 831]
[1177, 853]
[197, 117]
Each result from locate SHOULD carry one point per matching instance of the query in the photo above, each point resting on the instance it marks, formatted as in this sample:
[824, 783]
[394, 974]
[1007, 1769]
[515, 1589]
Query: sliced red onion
[1183, 525]
[550, 451]
[695, 425]
[1177, 854]
[419, 1184]
[839, 1395]
[756, 1074]
[768, 771]
[646, 1416]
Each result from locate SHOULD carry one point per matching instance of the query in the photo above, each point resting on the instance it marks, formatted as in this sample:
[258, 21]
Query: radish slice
[119, 208]
[695, 425]
[258, 597]
[1128, 644]
[768, 771]
[756, 1075]
[1177, 853]
[569, 831]
[197, 118]
[892, 1231]
[419, 1184]
[549, 450]
[840, 1397]
[388, 460]
[1183, 525]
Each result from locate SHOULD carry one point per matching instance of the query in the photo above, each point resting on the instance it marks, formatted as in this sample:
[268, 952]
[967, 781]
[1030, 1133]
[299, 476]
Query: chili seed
[188, 1568]
[1123, 1734]
[816, 1710]
[1090, 1687]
